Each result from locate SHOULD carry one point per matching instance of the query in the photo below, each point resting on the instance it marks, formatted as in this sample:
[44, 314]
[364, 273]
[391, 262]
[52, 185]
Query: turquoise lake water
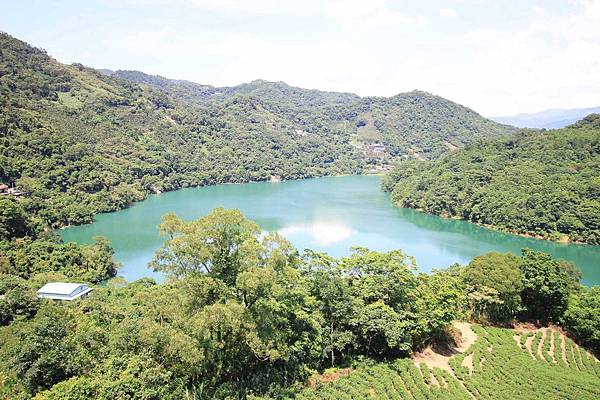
[327, 214]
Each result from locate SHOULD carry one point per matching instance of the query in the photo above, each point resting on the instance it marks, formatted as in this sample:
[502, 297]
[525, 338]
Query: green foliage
[218, 244]
[242, 314]
[582, 317]
[545, 286]
[27, 258]
[18, 299]
[540, 183]
[14, 221]
[494, 283]
[534, 287]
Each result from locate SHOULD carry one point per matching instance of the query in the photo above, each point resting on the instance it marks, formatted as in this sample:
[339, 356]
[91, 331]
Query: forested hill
[80, 141]
[545, 184]
[411, 125]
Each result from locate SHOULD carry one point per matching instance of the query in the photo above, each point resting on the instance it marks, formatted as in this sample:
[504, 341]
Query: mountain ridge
[553, 118]
[82, 141]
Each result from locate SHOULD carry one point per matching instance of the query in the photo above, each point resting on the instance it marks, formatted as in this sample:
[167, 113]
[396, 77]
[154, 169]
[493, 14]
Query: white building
[63, 291]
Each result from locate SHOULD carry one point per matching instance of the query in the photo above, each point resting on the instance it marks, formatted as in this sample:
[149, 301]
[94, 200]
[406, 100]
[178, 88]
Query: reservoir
[329, 214]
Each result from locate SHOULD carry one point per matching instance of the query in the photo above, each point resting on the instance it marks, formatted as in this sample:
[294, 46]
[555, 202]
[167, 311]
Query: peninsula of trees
[545, 184]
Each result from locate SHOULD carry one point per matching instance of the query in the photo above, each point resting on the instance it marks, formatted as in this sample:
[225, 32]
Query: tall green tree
[546, 285]
[494, 283]
[219, 244]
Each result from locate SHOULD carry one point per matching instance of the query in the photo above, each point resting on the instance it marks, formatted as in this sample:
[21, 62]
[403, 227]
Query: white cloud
[361, 14]
[549, 58]
[448, 13]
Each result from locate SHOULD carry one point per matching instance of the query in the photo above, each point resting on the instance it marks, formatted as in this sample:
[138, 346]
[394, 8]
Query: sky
[497, 57]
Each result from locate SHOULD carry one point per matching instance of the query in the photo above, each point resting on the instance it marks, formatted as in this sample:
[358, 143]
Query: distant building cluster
[375, 150]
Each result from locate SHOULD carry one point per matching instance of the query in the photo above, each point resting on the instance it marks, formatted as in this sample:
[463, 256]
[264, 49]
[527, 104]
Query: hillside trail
[440, 356]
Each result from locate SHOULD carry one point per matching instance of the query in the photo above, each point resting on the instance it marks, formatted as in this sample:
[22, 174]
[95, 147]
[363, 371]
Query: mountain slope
[550, 119]
[545, 184]
[80, 142]
[410, 125]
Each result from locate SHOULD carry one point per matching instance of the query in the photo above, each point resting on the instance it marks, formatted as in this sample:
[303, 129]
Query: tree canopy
[539, 183]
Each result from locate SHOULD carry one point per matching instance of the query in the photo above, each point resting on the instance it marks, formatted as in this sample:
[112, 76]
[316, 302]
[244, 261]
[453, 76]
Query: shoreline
[564, 239]
[148, 194]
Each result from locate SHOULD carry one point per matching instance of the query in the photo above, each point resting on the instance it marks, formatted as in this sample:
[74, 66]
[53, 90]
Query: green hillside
[80, 142]
[411, 125]
[502, 364]
[545, 184]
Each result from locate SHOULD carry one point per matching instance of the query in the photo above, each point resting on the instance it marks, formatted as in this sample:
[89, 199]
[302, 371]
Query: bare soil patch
[328, 377]
[528, 344]
[468, 362]
[518, 340]
[439, 356]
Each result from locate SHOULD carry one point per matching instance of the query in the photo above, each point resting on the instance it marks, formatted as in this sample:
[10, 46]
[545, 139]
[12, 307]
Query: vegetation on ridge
[540, 183]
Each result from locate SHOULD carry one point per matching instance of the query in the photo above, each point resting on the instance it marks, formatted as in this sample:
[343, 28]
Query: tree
[384, 289]
[582, 317]
[14, 221]
[331, 288]
[546, 285]
[17, 301]
[440, 300]
[494, 284]
[43, 355]
[219, 244]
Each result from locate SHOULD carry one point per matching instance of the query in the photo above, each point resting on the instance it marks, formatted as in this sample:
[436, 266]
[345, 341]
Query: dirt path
[468, 336]
[528, 344]
[551, 351]
[440, 357]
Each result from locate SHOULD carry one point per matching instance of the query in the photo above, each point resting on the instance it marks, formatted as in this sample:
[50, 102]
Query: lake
[328, 214]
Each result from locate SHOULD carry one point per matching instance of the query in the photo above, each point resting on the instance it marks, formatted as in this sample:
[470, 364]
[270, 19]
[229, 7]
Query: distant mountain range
[549, 119]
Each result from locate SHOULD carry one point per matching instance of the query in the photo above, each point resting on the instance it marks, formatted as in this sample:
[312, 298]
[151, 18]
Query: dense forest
[245, 315]
[545, 183]
[411, 125]
[82, 141]
[242, 314]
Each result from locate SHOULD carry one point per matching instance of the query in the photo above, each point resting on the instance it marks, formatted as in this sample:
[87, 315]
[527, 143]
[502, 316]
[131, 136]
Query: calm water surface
[327, 214]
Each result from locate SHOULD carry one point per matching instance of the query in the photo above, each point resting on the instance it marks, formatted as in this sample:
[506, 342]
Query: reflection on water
[321, 233]
[328, 214]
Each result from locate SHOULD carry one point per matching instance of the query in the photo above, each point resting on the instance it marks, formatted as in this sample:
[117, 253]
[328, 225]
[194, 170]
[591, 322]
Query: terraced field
[501, 364]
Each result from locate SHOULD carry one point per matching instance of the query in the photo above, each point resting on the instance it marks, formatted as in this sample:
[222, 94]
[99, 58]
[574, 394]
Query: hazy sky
[497, 57]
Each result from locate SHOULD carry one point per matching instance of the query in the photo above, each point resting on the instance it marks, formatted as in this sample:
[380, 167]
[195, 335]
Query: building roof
[63, 290]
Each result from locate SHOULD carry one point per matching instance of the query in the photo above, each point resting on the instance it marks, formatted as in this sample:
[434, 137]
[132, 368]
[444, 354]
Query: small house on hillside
[63, 291]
